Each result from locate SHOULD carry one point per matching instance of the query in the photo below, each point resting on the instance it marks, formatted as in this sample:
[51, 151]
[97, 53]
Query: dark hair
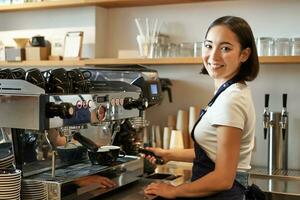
[249, 69]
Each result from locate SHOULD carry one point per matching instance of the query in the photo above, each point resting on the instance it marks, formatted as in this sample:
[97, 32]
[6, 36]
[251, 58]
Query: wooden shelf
[144, 61]
[101, 3]
[141, 61]
[279, 59]
[43, 63]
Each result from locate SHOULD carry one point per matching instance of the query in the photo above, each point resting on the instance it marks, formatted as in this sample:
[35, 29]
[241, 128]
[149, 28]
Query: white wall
[188, 23]
[53, 24]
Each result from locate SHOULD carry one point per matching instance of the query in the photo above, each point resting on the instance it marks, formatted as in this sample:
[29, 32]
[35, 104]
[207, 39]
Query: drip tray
[168, 177]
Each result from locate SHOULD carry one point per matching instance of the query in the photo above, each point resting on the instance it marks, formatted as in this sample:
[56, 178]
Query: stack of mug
[53, 81]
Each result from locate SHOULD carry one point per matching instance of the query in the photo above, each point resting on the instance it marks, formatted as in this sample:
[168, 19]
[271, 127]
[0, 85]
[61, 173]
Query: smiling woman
[224, 134]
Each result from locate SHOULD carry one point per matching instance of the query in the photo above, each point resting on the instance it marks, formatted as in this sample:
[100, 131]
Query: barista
[224, 134]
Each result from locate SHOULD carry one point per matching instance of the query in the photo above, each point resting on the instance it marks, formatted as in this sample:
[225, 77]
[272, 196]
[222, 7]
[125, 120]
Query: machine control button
[130, 103]
[101, 113]
[117, 101]
[62, 110]
[113, 102]
[79, 104]
[121, 102]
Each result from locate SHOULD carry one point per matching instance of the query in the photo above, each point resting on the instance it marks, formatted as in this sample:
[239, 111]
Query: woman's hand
[161, 189]
[158, 152]
[102, 181]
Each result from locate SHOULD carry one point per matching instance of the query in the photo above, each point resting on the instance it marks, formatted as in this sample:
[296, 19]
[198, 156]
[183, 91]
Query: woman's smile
[215, 65]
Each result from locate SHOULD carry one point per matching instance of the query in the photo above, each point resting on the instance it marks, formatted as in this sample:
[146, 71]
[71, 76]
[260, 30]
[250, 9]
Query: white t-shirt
[234, 107]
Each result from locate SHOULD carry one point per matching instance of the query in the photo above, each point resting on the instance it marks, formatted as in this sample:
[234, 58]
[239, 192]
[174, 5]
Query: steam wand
[284, 116]
[266, 116]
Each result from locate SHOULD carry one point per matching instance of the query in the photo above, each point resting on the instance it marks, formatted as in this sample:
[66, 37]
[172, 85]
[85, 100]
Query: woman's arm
[222, 178]
[184, 155]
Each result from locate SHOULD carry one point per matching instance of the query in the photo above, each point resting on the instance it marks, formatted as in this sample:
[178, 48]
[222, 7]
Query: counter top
[270, 185]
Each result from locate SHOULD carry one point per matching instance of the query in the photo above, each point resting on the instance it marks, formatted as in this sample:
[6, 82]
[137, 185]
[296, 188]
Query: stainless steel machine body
[275, 126]
[113, 101]
[277, 145]
[28, 109]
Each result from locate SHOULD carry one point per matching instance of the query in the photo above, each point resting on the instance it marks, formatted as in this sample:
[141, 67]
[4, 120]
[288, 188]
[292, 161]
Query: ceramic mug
[116, 151]
[6, 74]
[80, 84]
[58, 81]
[35, 77]
[38, 41]
[100, 157]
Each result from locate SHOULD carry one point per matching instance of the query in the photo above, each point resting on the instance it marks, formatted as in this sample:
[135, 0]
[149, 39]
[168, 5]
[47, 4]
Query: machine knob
[101, 113]
[62, 110]
[130, 103]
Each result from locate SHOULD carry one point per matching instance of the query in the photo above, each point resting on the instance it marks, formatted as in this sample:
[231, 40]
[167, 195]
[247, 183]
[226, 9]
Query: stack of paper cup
[176, 141]
[166, 138]
[146, 137]
[171, 122]
[153, 138]
[194, 112]
[193, 116]
[182, 124]
[158, 139]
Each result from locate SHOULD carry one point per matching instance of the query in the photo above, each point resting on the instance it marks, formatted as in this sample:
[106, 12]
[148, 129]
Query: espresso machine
[115, 99]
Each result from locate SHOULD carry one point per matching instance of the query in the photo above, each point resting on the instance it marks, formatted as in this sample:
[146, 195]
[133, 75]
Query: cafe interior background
[106, 31]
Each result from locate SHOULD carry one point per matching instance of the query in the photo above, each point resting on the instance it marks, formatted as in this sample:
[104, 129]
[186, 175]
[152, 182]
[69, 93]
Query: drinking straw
[139, 27]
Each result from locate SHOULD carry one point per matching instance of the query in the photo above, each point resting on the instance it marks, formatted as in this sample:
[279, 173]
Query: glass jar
[186, 49]
[265, 46]
[282, 47]
[160, 50]
[172, 50]
[295, 46]
[198, 49]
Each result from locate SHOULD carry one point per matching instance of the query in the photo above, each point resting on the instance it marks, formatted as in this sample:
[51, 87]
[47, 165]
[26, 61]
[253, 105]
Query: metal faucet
[266, 116]
[284, 116]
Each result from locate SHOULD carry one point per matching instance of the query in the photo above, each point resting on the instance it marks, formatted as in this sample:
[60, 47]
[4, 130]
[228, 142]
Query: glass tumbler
[295, 46]
[282, 47]
[172, 50]
[186, 49]
[265, 46]
[198, 49]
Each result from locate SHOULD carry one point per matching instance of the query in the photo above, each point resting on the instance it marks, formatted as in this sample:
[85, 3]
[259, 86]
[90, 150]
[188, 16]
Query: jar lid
[283, 39]
[296, 39]
[265, 38]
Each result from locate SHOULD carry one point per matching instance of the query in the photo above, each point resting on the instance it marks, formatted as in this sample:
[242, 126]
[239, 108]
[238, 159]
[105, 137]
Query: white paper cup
[172, 122]
[182, 124]
[166, 137]
[158, 137]
[176, 141]
[153, 138]
[194, 112]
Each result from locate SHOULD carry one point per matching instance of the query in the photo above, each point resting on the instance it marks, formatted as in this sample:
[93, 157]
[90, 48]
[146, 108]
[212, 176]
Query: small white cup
[176, 141]
[166, 137]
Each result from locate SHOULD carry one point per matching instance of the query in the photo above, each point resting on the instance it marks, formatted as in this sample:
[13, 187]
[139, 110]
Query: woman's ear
[245, 54]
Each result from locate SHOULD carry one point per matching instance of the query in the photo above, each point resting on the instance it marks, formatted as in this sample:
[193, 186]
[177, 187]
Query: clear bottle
[282, 47]
[295, 46]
